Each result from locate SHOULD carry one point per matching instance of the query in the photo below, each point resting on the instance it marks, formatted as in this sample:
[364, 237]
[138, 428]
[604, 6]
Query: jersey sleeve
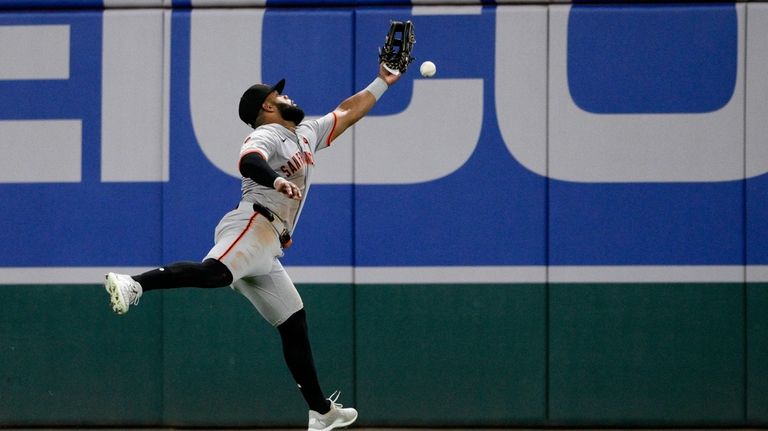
[259, 143]
[323, 128]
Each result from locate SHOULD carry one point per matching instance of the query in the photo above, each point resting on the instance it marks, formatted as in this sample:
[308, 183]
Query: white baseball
[428, 69]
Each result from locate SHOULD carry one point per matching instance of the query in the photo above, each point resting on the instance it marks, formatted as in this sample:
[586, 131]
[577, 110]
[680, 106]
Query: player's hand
[287, 188]
[388, 77]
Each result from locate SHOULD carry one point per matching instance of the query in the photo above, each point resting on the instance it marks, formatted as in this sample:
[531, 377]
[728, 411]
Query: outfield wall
[566, 226]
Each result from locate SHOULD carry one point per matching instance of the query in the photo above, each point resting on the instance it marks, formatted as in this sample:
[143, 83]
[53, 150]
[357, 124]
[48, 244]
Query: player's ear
[267, 107]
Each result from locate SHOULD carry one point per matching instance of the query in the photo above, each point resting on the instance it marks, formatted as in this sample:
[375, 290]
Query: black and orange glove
[396, 52]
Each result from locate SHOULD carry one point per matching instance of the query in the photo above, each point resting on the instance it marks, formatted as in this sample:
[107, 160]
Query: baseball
[428, 69]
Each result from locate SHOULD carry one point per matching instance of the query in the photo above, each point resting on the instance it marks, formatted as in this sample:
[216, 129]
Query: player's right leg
[246, 242]
[125, 290]
[235, 239]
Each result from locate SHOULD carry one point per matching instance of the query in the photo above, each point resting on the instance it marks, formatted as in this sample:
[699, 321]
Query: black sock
[298, 356]
[209, 273]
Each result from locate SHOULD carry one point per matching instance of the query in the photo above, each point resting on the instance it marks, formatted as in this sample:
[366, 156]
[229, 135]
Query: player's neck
[290, 125]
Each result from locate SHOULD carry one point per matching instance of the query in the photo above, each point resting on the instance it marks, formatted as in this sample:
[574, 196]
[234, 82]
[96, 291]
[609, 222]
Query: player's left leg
[277, 300]
[298, 356]
[279, 303]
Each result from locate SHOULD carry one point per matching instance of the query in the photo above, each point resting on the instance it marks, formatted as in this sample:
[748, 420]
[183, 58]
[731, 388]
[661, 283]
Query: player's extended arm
[253, 166]
[355, 107]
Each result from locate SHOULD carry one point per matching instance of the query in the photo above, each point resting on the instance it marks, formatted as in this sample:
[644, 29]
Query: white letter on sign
[225, 59]
[32, 52]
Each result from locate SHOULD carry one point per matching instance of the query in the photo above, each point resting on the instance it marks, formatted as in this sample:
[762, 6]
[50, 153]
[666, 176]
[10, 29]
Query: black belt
[283, 235]
[261, 209]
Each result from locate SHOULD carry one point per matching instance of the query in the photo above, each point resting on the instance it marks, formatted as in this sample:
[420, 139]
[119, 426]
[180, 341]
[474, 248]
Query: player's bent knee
[296, 323]
[218, 273]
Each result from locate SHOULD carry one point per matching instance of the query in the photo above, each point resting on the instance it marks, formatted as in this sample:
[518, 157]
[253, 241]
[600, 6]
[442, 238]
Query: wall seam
[745, 233]
[354, 220]
[547, 336]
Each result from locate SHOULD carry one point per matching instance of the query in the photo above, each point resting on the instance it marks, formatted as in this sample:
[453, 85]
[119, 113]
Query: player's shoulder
[318, 123]
[271, 129]
[312, 122]
[266, 132]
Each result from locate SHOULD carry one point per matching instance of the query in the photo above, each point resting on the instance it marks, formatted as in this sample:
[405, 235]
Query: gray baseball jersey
[246, 242]
[291, 155]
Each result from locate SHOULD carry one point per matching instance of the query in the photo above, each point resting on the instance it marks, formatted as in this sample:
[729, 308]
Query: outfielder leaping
[276, 162]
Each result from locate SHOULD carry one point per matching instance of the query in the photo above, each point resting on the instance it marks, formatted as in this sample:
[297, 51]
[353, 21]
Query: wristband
[377, 87]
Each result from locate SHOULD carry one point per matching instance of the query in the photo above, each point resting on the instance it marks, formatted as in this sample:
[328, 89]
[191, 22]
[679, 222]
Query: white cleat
[337, 417]
[123, 291]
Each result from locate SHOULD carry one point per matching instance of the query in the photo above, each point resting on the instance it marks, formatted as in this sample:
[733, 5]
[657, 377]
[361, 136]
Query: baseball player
[276, 163]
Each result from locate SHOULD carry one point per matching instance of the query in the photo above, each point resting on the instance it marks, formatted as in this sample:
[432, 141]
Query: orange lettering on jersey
[292, 167]
[296, 162]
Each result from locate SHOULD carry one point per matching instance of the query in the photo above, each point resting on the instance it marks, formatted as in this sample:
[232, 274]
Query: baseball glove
[396, 52]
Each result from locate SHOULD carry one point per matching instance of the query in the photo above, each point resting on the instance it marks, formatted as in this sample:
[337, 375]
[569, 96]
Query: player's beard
[291, 113]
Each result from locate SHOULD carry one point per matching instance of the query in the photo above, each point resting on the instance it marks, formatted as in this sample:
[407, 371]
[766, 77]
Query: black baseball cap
[250, 102]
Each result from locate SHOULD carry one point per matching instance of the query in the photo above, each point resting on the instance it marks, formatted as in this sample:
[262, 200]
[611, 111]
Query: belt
[282, 231]
[266, 212]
